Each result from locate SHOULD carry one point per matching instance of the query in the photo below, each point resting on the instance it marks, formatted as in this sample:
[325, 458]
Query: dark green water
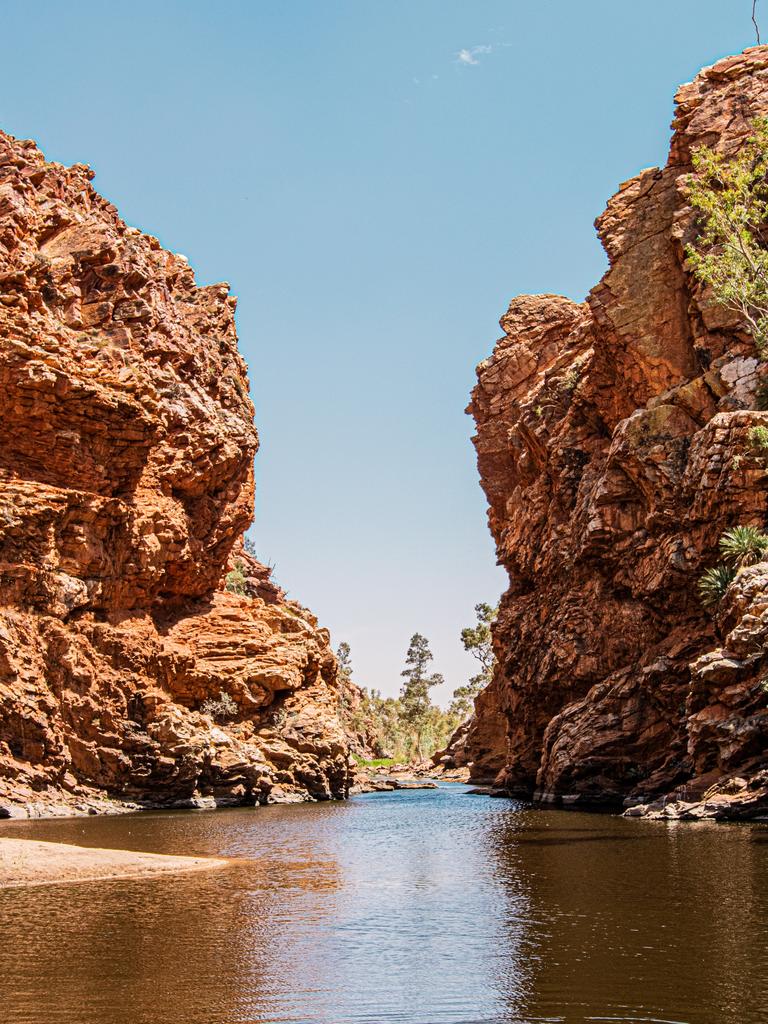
[414, 907]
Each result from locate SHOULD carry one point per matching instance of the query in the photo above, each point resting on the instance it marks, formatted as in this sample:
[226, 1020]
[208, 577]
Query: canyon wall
[612, 444]
[126, 483]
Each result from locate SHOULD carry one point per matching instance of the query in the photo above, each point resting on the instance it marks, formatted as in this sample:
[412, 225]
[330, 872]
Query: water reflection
[638, 921]
[421, 907]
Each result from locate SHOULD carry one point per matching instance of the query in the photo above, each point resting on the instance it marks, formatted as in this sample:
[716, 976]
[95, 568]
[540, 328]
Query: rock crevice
[126, 483]
[612, 445]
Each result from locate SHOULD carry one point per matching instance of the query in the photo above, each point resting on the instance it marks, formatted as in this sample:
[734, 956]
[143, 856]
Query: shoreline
[31, 862]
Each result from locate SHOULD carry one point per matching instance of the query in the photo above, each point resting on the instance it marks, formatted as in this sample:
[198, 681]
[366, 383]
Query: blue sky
[376, 179]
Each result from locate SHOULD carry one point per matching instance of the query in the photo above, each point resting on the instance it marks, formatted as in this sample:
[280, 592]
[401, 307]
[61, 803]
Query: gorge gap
[147, 659]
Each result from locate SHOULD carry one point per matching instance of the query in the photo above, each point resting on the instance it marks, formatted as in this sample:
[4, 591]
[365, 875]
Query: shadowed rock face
[612, 447]
[126, 482]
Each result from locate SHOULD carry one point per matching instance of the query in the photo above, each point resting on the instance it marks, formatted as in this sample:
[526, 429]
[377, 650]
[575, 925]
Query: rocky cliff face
[126, 482]
[612, 443]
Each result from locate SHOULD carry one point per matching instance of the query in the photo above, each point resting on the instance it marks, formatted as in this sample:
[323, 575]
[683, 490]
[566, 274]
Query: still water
[423, 907]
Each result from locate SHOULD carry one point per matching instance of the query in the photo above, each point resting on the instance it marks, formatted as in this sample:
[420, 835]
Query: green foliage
[478, 641]
[385, 722]
[221, 710]
[235, 581]
[464, 696]
[410, 727]
[714, 582]
[250, 546]
[414, 693]
[376, 762]
[344, 658]
[395, 736]
[740, 546]
[743, 545]
[731, 197]
[758, 438]
[344, 668]
[571, 380]
[761, 396]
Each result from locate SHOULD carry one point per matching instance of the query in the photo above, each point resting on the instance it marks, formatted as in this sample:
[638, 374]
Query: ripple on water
[421, 907]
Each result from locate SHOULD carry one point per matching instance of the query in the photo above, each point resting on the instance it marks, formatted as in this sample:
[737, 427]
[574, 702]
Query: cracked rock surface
[126, 483]
[612, 444]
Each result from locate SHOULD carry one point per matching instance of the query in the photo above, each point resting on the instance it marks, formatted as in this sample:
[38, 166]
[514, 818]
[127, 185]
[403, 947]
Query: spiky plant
[714, 582]
[743, 545]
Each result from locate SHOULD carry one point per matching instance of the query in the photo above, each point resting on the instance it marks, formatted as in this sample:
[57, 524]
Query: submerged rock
[145, 658]
[612, 445]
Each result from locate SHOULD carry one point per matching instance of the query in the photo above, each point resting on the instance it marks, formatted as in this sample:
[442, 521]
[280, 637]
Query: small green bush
[221, 710]
[758, 438]
[571, 380]
[234, 581]
[743, 545]
[714, 582]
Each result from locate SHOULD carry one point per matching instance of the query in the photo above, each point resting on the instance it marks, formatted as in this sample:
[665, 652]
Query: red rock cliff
[612, 447]
[126, 482]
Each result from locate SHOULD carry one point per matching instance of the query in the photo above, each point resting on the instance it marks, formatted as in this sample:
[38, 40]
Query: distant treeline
[410, 727]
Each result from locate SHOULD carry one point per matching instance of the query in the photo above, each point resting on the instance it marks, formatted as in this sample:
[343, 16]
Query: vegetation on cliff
[610, 499]
[730, 195]
[478, 641]
[146, 657]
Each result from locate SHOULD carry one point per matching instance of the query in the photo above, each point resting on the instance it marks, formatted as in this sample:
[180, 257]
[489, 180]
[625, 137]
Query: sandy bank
[29, 862]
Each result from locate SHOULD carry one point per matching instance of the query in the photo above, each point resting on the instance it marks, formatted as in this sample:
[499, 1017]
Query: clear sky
[376, 179]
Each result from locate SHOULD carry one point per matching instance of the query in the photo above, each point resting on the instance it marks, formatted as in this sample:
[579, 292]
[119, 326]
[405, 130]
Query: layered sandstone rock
[126, 482]
[612, 443]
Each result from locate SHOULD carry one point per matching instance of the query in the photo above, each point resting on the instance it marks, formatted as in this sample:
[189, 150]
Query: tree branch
[754, 21]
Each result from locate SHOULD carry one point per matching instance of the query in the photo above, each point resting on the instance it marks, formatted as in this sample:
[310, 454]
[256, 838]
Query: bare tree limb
[754, 21]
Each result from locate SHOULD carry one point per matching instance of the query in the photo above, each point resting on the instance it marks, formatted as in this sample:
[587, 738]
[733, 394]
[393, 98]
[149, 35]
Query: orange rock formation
[126, 482]
[612, 447]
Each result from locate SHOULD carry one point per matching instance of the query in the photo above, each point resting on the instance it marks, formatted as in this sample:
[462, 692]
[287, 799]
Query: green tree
[479, 642]
[731, 197]
[344, 668]
[344, 658]
[414, 692]
[464, 697]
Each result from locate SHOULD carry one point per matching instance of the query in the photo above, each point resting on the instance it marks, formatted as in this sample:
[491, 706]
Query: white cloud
[471, 54]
